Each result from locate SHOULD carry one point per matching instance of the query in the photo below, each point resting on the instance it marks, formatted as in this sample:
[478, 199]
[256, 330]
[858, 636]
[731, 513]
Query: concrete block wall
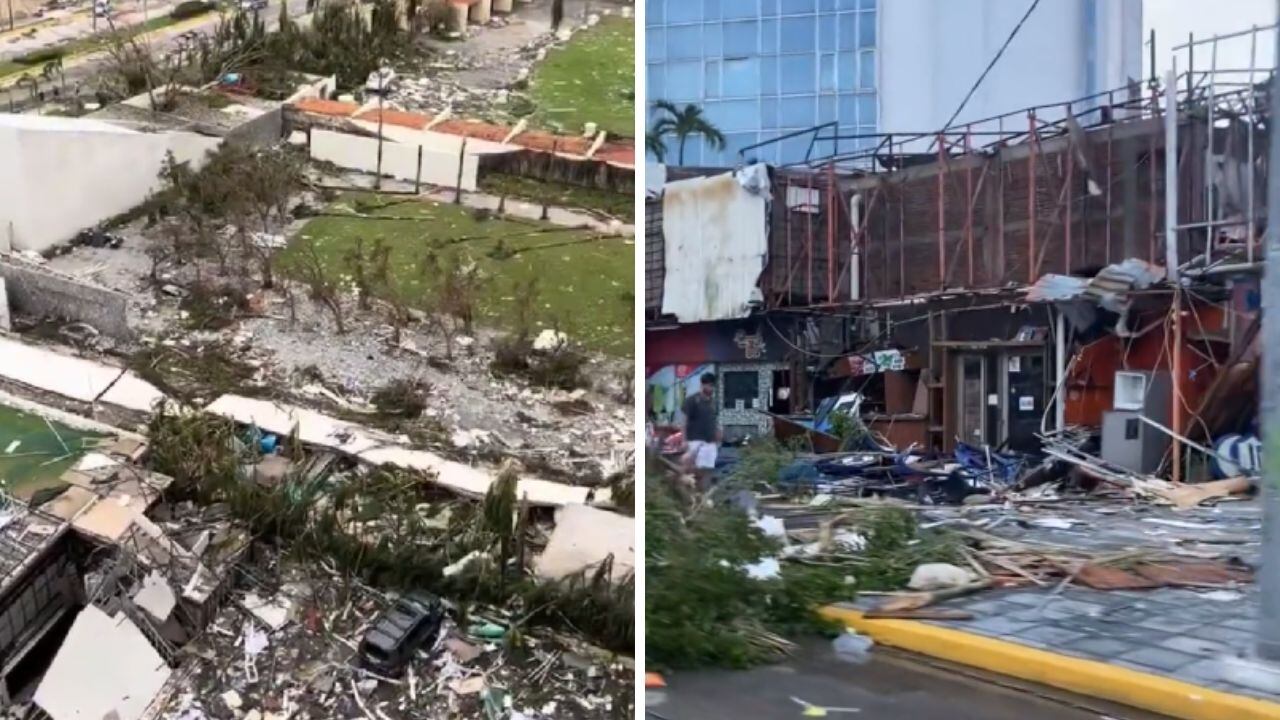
[399, 160]
[40, 293]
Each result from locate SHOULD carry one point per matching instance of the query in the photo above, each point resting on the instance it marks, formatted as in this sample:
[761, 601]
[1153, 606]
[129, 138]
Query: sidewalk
[1173, 650]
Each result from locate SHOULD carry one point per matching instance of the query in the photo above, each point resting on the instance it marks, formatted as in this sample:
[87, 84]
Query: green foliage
[41, 56]
[339, 41]
[390, 528]
[703, 609]
[759, 464]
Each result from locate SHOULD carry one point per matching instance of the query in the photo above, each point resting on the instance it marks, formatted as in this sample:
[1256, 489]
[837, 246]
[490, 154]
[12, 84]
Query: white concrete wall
[932, 51]
[61, 175]
[399, 160]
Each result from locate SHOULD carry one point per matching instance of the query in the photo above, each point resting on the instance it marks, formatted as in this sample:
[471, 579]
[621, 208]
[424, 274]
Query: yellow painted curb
[1086, 677]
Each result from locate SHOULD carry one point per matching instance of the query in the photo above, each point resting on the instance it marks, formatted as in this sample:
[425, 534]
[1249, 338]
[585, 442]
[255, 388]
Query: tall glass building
[762, 68]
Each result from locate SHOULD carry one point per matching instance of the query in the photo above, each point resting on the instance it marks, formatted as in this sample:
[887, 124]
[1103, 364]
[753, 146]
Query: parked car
[252, 5]
[398, 632]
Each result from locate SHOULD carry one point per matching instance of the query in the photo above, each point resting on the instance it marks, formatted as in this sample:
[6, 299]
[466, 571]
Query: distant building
[761, 69]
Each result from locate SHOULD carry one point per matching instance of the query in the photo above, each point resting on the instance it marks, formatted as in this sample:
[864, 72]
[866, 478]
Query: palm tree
[656, 146]
[684, 122]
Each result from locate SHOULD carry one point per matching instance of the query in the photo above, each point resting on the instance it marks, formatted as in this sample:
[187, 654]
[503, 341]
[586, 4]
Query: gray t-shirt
[700, 418]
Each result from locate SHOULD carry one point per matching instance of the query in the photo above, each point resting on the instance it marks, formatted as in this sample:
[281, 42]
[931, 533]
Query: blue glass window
[655, 12]
[798, 112]
[684, 41]
[827, 73]
[653, 77]
[735, 9]
[684, 11]
[741, 39]
[867, 110]
[867, 70]
[847, 71]
[769, 37]
[848, 24]
[868, 4]
[741, 78]
[791, 7]
[710, 9]
[655, 45]
[769, 113]
[796, 74]
[711, 84]
[848, 110]
[867, 29]
[684, 81]
[737, 115]
[826, 108]
[769, 75]
[798, 34]
[826, 35]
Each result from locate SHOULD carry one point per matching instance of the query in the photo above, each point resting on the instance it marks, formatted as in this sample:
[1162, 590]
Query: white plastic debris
[232, 699]
[771, 526]
[853, 647]
[764, 569]
[936, 576]
[549, 340]
[461, 565]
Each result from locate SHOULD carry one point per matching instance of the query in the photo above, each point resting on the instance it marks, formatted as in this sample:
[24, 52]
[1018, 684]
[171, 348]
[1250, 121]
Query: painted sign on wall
[668, 386]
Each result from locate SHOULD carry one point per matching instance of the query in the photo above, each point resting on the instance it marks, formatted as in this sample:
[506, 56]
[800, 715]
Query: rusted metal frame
[808, 240]
[1067, 188]
[1151, 183]
[1054, 220]
[831, 231]
[971, 203]
[1033, 148]
[1110, 182]
[968, 189]
[858, 241]
[791, 267]
[942, 209]
[902, 240]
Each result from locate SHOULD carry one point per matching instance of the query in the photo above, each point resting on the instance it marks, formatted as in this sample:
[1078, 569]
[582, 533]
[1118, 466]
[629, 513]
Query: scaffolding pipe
[942, 245]
[1269, 575]
[1252, 211]
[1070, 193]
[1031, 197]
[968, 191]
[831, 232]
[1109, 184]
[1210, 211]
[1171, 258]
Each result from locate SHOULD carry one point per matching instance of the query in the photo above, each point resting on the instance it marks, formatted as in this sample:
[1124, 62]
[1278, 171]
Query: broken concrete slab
[583, 538]
[378, 448]
[156, 597]
[75, 378]
[105, 668]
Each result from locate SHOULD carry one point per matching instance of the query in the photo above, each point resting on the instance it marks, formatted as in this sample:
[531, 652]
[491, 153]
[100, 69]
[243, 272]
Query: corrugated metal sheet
[1110, 288]
[715, 239]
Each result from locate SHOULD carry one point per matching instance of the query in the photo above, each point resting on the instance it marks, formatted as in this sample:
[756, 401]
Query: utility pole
[1269, 597]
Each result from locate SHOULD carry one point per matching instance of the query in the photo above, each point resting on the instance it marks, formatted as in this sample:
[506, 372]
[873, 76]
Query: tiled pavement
[1179, 633]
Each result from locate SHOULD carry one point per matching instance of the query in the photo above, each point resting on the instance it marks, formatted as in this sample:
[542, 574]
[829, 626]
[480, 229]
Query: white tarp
[105, 668]
[379, 448]
[715, 234]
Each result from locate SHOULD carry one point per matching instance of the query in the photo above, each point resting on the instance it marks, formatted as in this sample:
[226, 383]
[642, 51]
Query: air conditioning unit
[1130, 390]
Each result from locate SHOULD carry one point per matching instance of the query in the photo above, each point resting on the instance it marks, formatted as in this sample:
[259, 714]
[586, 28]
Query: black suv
[393, 638]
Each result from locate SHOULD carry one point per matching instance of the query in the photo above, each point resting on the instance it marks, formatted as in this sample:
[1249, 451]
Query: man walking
[701, 430]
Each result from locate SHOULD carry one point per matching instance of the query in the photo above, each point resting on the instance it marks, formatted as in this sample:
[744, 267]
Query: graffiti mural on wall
[668, 386]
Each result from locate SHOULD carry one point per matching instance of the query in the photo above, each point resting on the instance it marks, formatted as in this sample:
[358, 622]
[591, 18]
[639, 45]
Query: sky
[1174, 19]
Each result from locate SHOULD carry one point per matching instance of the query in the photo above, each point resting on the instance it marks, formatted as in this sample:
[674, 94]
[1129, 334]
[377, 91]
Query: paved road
[891, 686]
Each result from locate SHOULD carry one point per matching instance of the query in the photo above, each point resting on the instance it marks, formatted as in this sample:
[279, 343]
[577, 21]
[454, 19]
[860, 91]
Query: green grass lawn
[585, 282]
[591, 79]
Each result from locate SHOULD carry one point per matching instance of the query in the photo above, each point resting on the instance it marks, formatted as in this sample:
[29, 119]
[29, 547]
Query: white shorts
[703, 454]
